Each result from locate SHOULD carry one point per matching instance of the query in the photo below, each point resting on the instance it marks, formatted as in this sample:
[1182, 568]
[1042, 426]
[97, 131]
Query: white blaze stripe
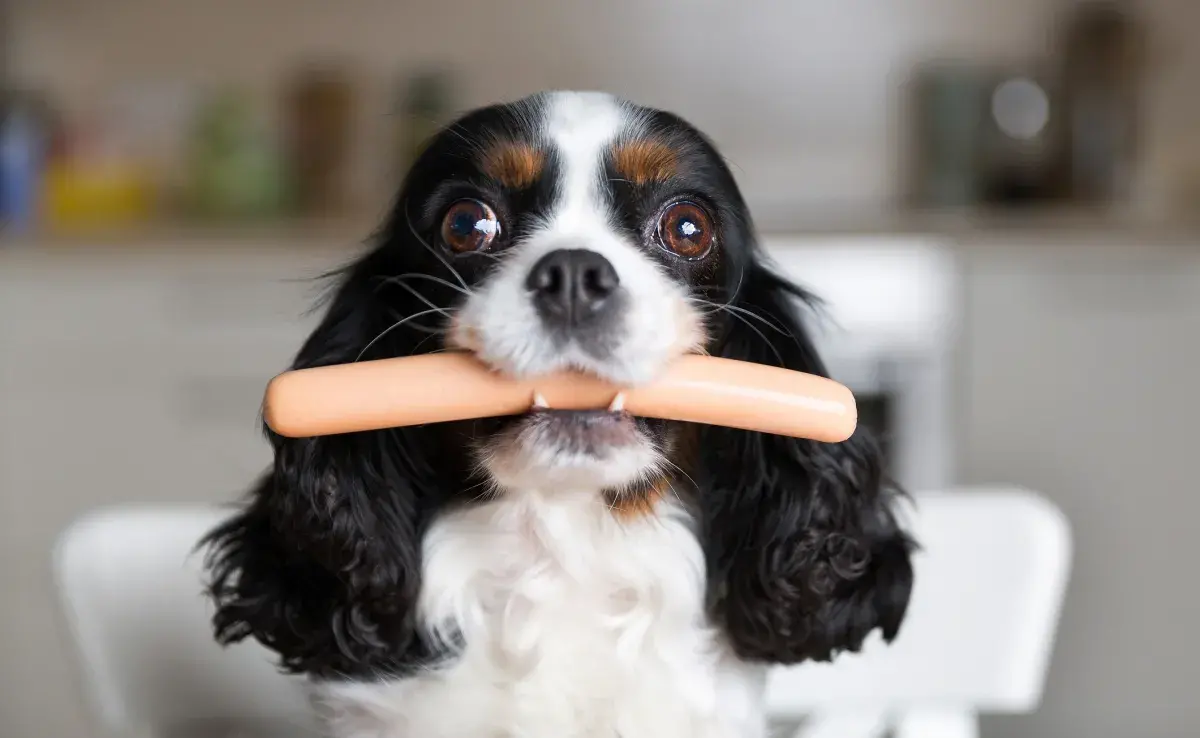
[582, 125]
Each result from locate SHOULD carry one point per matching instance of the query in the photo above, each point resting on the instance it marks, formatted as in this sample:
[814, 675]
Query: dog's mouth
[558, 448]
[569, 448]
[583, 431]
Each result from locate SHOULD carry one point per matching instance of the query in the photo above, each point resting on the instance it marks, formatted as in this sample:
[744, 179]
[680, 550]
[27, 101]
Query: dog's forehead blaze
[514, 164]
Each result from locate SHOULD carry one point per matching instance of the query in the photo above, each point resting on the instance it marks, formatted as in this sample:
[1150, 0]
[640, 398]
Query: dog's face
[588, 234]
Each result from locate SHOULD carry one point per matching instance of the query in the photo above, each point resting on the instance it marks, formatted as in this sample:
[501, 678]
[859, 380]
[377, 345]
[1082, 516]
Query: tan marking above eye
[644, 161]
[514, 164]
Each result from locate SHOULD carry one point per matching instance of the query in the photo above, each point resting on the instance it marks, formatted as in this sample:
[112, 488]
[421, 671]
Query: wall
[801, 96]
[1079, 380]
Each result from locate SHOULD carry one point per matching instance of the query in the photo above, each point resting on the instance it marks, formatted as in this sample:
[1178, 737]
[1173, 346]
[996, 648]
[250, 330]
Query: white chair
[990, 580]
[130, 584]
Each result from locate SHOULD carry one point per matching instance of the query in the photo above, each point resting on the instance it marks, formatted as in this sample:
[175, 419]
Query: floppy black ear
[805, 554]
[323, 564]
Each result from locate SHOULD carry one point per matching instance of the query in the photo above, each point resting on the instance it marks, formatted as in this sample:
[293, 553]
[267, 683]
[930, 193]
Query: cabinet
[124, 378]
[1079, 378]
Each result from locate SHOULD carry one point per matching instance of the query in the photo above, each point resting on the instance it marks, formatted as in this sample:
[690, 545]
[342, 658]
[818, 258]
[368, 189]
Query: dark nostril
[549, 278]
[569, 285]
[600, 279]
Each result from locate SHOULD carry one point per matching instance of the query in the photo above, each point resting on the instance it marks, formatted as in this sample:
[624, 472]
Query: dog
[560, 573]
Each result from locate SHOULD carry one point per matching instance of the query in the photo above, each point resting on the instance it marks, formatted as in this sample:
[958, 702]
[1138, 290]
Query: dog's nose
[571, 286]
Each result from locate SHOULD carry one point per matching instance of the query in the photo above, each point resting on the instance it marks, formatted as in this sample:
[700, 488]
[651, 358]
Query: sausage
[434, 388]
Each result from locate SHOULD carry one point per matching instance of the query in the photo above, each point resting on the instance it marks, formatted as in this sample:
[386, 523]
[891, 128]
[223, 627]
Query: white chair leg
[844, 725]
[937, 723]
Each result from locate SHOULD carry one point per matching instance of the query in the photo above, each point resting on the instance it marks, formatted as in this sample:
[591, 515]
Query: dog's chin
[565, 451]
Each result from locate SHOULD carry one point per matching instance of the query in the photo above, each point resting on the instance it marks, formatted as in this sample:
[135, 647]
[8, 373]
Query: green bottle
[424, 106]
[235, 169]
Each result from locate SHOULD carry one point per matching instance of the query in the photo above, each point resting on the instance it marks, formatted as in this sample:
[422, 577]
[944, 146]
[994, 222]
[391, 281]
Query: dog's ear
[805, 552]
[323, 564]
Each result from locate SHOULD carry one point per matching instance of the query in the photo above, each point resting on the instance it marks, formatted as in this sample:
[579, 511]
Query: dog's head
[572, 231]
[566, 230]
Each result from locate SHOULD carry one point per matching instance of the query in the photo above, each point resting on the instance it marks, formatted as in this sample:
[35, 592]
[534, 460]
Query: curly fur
[806, 556]
[323, 566]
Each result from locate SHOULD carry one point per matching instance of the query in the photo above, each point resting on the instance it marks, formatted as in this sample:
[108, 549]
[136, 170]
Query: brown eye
[469, 226]
[685, 229]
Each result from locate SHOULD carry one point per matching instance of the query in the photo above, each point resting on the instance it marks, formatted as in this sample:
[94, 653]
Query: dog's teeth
[618, 403]
[539, 401]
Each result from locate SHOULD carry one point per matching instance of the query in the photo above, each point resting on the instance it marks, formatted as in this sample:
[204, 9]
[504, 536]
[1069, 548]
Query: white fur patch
[576, 623]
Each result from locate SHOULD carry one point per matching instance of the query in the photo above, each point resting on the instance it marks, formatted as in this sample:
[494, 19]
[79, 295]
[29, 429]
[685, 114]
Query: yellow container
[76, 196]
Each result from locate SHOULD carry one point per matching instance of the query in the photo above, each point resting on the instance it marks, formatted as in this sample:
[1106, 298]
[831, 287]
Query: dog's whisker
[716, 308]
[416, 348]
[494, 257]
[659, 469]
[413, 229]
[391, 328]
[430, 303]
[761, 335]
[430, 278]
[428, 328]
[762, 319]
[679, 469]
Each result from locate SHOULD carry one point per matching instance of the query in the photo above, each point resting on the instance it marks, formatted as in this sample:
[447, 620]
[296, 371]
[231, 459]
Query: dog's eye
[685, 229]
[469, 226]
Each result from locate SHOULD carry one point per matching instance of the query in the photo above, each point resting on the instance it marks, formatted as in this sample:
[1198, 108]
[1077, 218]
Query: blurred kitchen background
[999, 198]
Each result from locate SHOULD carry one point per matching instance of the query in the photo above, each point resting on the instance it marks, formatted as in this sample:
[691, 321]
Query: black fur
[805, 554]
[324, 563]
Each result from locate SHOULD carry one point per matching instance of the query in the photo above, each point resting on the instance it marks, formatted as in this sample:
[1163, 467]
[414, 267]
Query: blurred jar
[92, 183]
[234, 165]
[26, 132]
[98, 195]
[19, 167]
[1103, 57]
[948, 104]
[320, 119]
[424, 107]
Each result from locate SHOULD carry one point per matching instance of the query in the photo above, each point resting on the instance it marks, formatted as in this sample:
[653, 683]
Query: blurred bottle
[320, 119]
[21, 159]
[235, 169]
[91, 182]
[1102, 55]
[948, 106]
[424, 107]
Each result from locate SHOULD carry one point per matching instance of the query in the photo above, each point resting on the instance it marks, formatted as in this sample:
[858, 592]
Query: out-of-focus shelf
[350, 233]
[1038, 224]
[347, 232]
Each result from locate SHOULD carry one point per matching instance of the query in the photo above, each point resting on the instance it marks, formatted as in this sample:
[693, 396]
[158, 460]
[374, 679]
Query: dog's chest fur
[577, 622]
